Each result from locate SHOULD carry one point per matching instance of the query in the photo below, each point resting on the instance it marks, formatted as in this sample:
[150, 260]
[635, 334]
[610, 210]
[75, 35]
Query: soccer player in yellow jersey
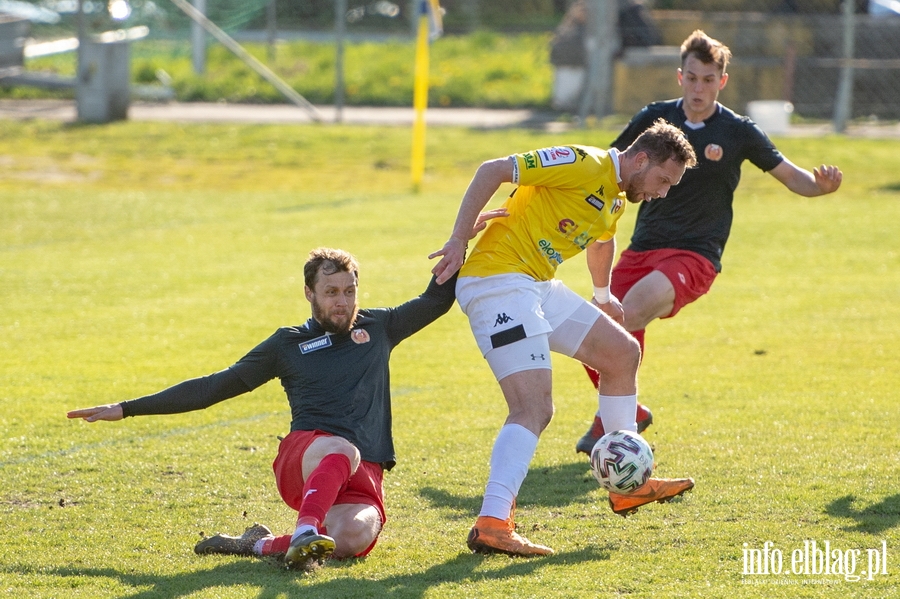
[568, 199]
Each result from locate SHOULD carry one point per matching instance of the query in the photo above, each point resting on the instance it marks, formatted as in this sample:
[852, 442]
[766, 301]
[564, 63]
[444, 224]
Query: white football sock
[512, 453]
[304, 528]
[618, 412]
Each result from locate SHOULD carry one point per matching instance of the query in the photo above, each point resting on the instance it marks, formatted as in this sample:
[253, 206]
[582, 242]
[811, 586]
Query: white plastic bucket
[772, 116]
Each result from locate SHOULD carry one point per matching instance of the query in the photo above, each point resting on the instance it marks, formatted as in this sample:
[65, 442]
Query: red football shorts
[366, 486]
[690, 273]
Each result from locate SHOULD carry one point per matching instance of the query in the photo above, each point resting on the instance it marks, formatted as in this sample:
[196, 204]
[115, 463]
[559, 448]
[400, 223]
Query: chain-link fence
[790, 50]
[811, 53]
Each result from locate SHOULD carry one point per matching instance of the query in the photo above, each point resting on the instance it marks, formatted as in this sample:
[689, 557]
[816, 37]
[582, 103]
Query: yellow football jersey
[567, 198]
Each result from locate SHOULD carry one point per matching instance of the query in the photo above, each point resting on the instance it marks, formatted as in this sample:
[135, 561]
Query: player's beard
[636, 183]
[335, 324]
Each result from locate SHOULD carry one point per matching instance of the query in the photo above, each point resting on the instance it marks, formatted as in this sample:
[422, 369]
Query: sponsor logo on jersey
[360, 336]
[569, 227]
[549, 252]
[583, 240]
[713, 152]
[566, 226]
[530, 160]
[315, 344]
[556, 156]
[595, 202]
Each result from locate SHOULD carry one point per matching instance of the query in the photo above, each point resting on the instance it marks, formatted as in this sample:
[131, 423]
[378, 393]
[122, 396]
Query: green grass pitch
[135, 255]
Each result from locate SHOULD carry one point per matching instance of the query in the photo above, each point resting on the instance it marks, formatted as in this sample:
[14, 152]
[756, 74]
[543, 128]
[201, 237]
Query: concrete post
[198, 40]
[103, 92]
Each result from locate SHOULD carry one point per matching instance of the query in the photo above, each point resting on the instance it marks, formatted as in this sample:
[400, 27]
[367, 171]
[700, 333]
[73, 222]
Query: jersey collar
[614, 156]
[695, 126]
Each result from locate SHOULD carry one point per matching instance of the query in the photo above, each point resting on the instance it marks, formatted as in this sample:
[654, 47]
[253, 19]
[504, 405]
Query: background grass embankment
[482, 69]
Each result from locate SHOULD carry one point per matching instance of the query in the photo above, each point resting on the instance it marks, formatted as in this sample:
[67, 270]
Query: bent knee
[535, 416]
[353, 530]
[324, 446]
[623, 355]
[545, 413]
[351, 544]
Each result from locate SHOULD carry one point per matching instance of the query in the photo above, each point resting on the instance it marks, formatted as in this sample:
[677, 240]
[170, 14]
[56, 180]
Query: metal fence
[827, 61]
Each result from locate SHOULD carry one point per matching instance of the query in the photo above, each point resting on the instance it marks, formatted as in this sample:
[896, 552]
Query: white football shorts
[518, 321]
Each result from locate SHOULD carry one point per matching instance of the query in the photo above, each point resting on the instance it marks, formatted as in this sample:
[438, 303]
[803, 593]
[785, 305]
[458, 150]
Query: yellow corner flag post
[430, 28]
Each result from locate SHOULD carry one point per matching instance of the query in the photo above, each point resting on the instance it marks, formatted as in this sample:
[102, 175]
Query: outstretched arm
[109, 412]
[822, 180]
[487, 180]
[193, 394]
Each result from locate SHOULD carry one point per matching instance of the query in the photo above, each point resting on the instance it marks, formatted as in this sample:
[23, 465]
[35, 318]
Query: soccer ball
[621, 461]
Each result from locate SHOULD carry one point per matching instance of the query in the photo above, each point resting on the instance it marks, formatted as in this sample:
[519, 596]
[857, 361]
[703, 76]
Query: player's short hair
[662, 141]
[328, 261]
[706, 49]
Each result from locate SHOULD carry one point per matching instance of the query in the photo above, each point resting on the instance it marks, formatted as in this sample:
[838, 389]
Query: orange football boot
[493, 535]
[661, 490]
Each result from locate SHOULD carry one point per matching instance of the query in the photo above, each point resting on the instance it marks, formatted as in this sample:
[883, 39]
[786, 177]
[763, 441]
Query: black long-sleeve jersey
[696, 214]
[339, 384]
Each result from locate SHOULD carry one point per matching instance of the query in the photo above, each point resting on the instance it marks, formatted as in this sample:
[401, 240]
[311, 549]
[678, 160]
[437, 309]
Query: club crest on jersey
[595, 202]
[616, 205]
[360, 336]
[713, 152]
[556, 155]
[315, 344]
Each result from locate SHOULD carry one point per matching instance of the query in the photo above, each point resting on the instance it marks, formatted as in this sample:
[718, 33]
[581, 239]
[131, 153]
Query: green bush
[483, 69]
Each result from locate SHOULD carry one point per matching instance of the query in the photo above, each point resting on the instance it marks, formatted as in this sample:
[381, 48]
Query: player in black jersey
[676, 249]
[334, 370]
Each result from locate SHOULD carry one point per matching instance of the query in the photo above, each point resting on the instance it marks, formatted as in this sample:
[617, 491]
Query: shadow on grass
[554, 486]
[873, 519]
[276, 582]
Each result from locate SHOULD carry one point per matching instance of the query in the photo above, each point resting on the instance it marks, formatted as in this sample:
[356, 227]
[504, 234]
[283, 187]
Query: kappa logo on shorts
[502, 319]
[315, 344]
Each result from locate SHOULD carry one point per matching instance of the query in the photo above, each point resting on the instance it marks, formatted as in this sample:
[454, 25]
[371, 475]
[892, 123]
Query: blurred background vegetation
[482, 69]
[494, 53]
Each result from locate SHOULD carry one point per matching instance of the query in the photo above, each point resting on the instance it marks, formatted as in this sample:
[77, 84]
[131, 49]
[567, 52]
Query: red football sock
[322, 488]
[593, 375]
[276, 546]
